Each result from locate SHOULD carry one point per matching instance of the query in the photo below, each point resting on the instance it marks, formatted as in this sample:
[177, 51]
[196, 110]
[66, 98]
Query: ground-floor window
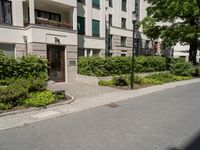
[8, 49]
[123, 53]
[88, 52]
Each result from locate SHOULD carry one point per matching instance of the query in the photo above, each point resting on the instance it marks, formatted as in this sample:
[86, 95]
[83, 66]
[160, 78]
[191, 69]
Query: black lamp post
[134, 20]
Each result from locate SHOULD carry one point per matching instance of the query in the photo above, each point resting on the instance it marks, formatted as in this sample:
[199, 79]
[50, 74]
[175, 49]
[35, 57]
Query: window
[5, 12]
[81, 25]
[96, 3]
[110, 3]
[124, 5]
[110, 19]
[123, 41]
[123, 23]
[47, 15]
[95, 28]
[110, 42]
[81, 1]
[123, 53]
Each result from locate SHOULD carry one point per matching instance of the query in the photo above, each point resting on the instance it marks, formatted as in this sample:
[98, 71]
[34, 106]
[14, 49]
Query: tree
[174, 21]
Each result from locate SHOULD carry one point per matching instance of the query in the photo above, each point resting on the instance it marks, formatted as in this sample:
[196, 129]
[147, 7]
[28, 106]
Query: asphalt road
[167, 120]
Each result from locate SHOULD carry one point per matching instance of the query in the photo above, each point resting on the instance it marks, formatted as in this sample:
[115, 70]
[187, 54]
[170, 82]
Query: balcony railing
[50, 23]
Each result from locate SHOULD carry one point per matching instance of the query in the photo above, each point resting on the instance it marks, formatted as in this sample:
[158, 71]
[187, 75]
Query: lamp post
[26, 44]
[107, 29]
[134, 20]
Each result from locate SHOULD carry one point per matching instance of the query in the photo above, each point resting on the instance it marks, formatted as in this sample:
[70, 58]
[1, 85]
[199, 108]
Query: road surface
[167, 120]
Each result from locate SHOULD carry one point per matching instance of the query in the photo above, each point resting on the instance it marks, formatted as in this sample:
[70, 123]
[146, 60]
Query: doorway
[56, 62]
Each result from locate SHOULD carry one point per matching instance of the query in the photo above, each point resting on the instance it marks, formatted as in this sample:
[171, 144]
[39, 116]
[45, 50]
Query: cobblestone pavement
[102, 97]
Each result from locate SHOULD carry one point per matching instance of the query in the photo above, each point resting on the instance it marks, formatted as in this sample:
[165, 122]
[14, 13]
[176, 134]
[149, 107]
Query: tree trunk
[193, 52]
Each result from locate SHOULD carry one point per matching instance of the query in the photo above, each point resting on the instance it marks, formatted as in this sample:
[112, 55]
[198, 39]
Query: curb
[39, 108]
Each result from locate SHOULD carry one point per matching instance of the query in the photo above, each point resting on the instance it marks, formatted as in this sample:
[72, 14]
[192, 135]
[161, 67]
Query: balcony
[49, 13]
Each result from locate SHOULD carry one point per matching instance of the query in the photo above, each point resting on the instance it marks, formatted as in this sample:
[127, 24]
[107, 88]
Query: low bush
[196, 71]
[97, 66]
[105, 83]
[120, 81]
[155, 79]
[39, 99]
[180, 67]
[23, 67]
[5, 106]
[14, 91]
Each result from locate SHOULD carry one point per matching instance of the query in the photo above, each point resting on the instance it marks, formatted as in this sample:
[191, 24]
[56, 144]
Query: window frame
[123, 23]
[124, 5]
[50, 14]
[81, 33]
[94, 5]
[3, 12]
[81, 1]
[94, 34]
[110, 3]
[123, 41]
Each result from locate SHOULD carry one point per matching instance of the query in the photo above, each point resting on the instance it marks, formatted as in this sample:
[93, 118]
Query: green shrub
[38, 83]
[23, 67]
[31, 66]
[40, 99]
[5, 106]
[180, 67]
[120, 81]
[105, 83]
[14, 91]
[97, 66]
[196, 71]
[167, 77]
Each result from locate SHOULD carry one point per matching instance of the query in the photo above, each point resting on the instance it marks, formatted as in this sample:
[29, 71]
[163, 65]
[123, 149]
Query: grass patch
[39, 99]
[155, 79]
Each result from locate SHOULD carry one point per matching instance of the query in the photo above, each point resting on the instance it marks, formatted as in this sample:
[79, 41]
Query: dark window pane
[81, 25]
[96, 3]
[95, 28]
[1, 13]
[81, 1]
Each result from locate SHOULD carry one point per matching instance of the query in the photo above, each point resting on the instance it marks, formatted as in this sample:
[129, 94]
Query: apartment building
[47, 28]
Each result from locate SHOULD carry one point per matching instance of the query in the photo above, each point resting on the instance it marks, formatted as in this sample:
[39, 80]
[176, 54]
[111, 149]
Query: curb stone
[39, 108]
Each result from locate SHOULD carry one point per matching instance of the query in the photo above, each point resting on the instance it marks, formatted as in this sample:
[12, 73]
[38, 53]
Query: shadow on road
[194, 144]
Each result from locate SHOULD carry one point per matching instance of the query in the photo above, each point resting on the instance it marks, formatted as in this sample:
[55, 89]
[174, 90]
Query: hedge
[97, 66]
[23, 67]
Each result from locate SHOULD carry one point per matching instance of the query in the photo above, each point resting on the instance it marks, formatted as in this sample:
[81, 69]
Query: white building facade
[47, 28]
[63, 30]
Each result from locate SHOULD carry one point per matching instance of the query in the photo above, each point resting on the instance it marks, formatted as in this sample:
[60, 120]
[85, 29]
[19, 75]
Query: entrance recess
[56, 60]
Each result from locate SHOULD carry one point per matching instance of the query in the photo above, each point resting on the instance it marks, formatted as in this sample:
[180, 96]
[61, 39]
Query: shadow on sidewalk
[194, 144]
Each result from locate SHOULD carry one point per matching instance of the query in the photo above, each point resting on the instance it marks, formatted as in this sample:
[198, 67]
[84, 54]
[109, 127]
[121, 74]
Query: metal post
[107, 33]
[133, 59]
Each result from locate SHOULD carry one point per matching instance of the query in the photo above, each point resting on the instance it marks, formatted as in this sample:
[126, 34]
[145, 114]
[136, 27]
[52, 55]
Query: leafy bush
[105, 83]
[14, 91]
[150, 64]
[23, 67]
[180, 67]
[196, 71]
[38, 83]
[120, 81]
[167, 77]
[97, 66]
[40, 99]
[155, 79]
[5, 106]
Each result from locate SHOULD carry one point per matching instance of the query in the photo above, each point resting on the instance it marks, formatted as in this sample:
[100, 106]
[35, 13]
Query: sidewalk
[83, 103]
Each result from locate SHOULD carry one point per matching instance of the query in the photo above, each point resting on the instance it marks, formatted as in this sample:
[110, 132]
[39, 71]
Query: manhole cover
[113, 105]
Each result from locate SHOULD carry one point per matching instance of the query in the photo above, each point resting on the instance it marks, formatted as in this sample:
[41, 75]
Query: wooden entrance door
[56, 61]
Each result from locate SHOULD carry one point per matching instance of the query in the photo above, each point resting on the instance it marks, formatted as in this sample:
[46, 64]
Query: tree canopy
[174, 21]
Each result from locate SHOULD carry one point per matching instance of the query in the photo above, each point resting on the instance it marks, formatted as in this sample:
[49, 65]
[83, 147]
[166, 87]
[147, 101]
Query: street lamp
[107, 28]
[134, 20]
[26, 44]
